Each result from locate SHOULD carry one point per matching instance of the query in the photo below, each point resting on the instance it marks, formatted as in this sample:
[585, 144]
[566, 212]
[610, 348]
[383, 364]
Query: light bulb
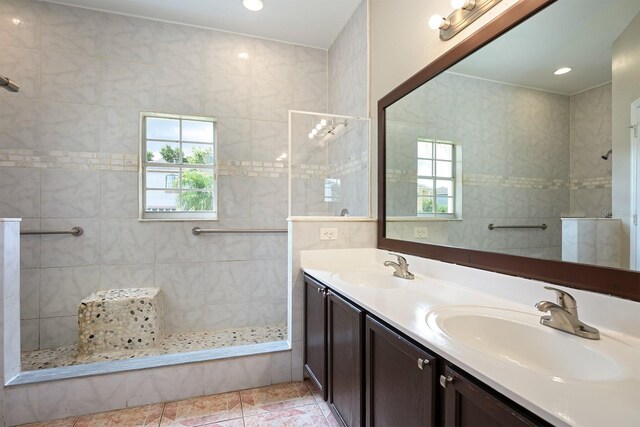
[310, 136]
[243, 55]
[314, 131]
[253, 5]
[561, 71]
[323, 122]
[463, 4]
[437, 22]
[283, 155]
[318, 126]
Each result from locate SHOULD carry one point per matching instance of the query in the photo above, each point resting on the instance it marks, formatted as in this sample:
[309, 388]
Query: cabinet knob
[444, 381]
[322, 291]
[422, 363]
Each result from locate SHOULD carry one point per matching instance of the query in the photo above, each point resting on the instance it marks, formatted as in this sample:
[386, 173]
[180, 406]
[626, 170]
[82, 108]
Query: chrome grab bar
[494, 227]
[197, 230]
[75, 232]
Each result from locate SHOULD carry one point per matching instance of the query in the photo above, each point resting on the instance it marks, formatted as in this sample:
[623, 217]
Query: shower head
[9, 85]
[606, 156]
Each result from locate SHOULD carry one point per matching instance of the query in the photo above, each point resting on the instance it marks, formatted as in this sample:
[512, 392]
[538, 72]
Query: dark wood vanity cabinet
[400, 379]
[467, 403]
[345, 332]
[315, 349]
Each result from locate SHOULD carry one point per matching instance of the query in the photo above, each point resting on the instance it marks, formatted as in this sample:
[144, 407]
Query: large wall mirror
[514, 151]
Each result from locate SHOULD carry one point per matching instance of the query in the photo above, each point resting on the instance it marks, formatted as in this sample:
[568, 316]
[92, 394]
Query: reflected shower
[8, 84]
[606, 156]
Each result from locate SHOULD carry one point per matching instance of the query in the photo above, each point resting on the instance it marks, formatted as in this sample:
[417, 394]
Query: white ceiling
[569, 33]
[314, 23]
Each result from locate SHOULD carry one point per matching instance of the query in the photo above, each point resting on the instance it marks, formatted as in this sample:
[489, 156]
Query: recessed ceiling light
[563, 70]
[253, 5]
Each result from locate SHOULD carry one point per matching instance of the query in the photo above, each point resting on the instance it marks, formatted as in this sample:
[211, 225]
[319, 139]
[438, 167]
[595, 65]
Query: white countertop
[561, 401]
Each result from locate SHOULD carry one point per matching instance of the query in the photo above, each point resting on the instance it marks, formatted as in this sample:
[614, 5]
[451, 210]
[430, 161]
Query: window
[436, 178]
[178, 167]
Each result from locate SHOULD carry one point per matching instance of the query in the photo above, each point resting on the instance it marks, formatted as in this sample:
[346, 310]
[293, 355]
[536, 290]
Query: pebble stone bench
[119, 319]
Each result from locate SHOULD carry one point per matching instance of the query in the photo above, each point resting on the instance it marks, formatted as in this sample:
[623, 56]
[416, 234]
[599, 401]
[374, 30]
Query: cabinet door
[400, 379]
[346, 396]
[315, 347]
[467, 404]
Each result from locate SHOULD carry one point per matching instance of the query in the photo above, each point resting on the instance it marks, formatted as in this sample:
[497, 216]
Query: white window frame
[144, 215]
[455, 175]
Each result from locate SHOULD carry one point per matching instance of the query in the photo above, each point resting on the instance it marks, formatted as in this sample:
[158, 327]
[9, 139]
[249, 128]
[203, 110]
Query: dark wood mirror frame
[616, 282]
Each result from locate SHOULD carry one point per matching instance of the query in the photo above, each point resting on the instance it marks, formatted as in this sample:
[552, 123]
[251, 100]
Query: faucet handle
[565, 300]
[401, 260]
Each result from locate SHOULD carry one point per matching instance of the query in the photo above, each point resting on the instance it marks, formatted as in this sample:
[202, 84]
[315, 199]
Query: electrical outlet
[420, 232]
[328, 234]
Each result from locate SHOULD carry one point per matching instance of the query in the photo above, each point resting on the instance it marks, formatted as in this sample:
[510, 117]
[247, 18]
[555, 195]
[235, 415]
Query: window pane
[197, 179]
[163, 152]
[444, 169]
[161, 200]
[444, 151]
[158, 178]
[425, 205]
[425, 167]
[199, 154]
[196, 201]
[196, 131]
[158, 128]
[425, 187]
[444, 188]
[425, 149]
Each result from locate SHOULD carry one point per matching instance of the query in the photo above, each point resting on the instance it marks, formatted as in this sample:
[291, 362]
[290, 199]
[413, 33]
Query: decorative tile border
[17, 158]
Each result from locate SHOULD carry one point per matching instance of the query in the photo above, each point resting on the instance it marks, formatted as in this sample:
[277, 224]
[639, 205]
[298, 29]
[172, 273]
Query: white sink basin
[372, 279]
[518, 338]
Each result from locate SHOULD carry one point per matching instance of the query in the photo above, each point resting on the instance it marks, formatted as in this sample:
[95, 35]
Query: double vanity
[440, 344]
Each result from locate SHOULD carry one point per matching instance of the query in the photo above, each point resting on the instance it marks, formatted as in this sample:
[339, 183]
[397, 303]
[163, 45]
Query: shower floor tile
[287, 405]
[170, 344]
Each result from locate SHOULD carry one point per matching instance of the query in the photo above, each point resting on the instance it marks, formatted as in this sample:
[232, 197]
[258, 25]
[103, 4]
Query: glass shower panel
[329, 165]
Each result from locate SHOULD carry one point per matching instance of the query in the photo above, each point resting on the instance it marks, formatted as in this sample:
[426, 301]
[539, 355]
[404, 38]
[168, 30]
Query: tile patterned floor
[170, 344]
[296, 404]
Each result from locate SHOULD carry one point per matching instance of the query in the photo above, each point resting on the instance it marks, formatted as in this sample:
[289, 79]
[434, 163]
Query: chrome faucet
[564, 316]
[401, 267]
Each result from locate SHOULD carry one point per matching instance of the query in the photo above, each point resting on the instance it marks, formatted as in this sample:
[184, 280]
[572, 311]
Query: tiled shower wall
[69, 155]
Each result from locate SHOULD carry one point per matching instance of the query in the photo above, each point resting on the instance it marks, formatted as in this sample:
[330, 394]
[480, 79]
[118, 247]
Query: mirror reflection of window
[436, 178]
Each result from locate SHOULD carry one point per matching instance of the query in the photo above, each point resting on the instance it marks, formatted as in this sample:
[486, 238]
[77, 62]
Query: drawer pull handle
[445, 380]
[422, 363]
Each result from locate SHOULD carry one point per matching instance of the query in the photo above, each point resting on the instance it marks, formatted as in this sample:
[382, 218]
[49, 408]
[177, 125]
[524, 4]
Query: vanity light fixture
[253, 5]
[561, 71]
[466, 12]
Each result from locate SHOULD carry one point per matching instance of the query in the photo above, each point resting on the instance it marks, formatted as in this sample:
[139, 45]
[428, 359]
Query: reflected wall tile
[127, 241]
[27, 33]
[62, 289]
[127, 38]
[179, 45]
[182, 285]
[119, 130]
[70, 193]
[58, 399]
[126, 276]
[119, 198]
[268, 140]
[234, 139]
[22, 66]
[234, 197]
[18, 124]
[310, 92]
[65, 126]
[70, 78]
[271, 100]
[71, 30]
[30, 245]
[237, 374]
[227, 247]
[29, 293]
[70, 251]
[227, 96]
[20, 192]
[176, 243]
[29, 334]
[23, 402]
[128, 85]
[164, 384]
[58, 331]
[179, 91]
[273, 60]
[223, 54]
